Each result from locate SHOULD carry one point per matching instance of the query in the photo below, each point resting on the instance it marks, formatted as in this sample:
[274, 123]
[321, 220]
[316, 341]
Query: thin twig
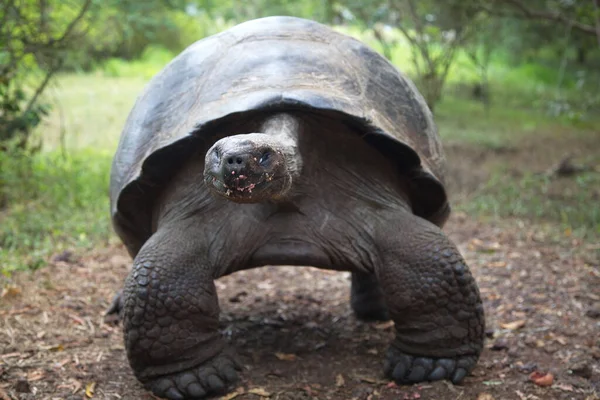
[41, 88]
[597, 19]
[75, 21]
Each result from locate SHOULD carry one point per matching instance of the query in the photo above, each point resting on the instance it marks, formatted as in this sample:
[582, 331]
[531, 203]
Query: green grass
[89, 111]
[570, 203]
[58, 199]
[56, 203]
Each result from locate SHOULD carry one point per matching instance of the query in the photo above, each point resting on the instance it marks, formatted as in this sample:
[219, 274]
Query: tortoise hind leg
[433, 300]
[170, 319]
[366, 298]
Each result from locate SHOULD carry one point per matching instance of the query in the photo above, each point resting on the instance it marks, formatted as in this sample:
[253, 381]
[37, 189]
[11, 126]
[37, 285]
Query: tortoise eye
[264, 159]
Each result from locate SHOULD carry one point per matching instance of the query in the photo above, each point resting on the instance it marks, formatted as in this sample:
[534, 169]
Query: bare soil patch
[298, 338]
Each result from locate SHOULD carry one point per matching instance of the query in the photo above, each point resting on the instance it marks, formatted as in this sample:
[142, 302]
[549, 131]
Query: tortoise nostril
[239, 160]
[230, 160]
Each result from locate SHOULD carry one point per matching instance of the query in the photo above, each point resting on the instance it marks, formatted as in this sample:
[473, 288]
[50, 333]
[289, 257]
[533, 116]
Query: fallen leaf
[76, 386]
[11, 355]
[492, 383]
[521, 395]
[89, 389]
[54, 347]
[484, 247]
[561, 340]
[286, 356]
[339, 380]
[3, 395]
[35, 376]
[513, 325]
[565, 387]
[391, 385]
[238, 392]
[368, 379]
[485, 396]
[497, 264]
[541, 379]
[385, 325]
[259, 392]
[309, 390]
[10, 292]
[64, 362]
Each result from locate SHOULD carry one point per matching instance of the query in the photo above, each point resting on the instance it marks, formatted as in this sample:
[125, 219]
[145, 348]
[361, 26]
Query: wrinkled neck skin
[256, 167]
[283, 130]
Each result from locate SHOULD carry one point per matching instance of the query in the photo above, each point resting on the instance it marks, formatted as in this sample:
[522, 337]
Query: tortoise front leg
[170, 320]
[433, 300]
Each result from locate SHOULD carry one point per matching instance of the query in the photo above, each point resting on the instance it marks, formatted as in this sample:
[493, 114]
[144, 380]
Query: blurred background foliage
[499, 74]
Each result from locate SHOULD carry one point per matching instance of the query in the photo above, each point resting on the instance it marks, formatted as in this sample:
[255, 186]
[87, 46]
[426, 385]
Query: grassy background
[57, 199]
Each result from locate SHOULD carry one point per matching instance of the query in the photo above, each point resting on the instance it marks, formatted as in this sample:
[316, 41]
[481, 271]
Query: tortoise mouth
[242, 188]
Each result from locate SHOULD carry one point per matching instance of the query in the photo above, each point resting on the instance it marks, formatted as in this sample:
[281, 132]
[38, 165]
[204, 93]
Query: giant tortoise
[282, 142]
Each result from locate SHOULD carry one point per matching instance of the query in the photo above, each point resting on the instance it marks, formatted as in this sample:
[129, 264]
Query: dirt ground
[298, 338]
[296, 334]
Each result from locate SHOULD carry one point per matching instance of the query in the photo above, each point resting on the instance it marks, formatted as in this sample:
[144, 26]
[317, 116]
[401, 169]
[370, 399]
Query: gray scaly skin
[304, 190]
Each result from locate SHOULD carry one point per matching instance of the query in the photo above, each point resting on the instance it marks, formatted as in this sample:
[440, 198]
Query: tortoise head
[255, 167]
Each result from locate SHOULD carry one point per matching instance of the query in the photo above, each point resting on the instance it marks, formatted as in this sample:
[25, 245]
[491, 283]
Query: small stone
[593, 312]
[514, 353]
[500, 344]
[527, 368]
[489, 333]
[582, 369]
[22, 386]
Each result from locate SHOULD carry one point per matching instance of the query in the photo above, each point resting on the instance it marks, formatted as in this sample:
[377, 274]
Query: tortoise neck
[285, 128]
[283, 125]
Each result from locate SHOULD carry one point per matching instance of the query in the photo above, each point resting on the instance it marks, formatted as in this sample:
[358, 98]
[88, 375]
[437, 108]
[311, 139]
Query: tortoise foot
[406, 369]
[208, 379]
[114, 313]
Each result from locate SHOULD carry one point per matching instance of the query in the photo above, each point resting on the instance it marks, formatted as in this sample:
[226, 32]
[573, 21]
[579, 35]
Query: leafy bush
[34, 36]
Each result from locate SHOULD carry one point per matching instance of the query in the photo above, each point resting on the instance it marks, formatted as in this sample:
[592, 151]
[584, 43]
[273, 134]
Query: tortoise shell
[273, 63]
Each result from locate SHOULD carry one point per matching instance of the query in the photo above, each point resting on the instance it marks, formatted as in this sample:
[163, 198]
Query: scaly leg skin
[434, 302]
[366, 298]
[170, 321]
